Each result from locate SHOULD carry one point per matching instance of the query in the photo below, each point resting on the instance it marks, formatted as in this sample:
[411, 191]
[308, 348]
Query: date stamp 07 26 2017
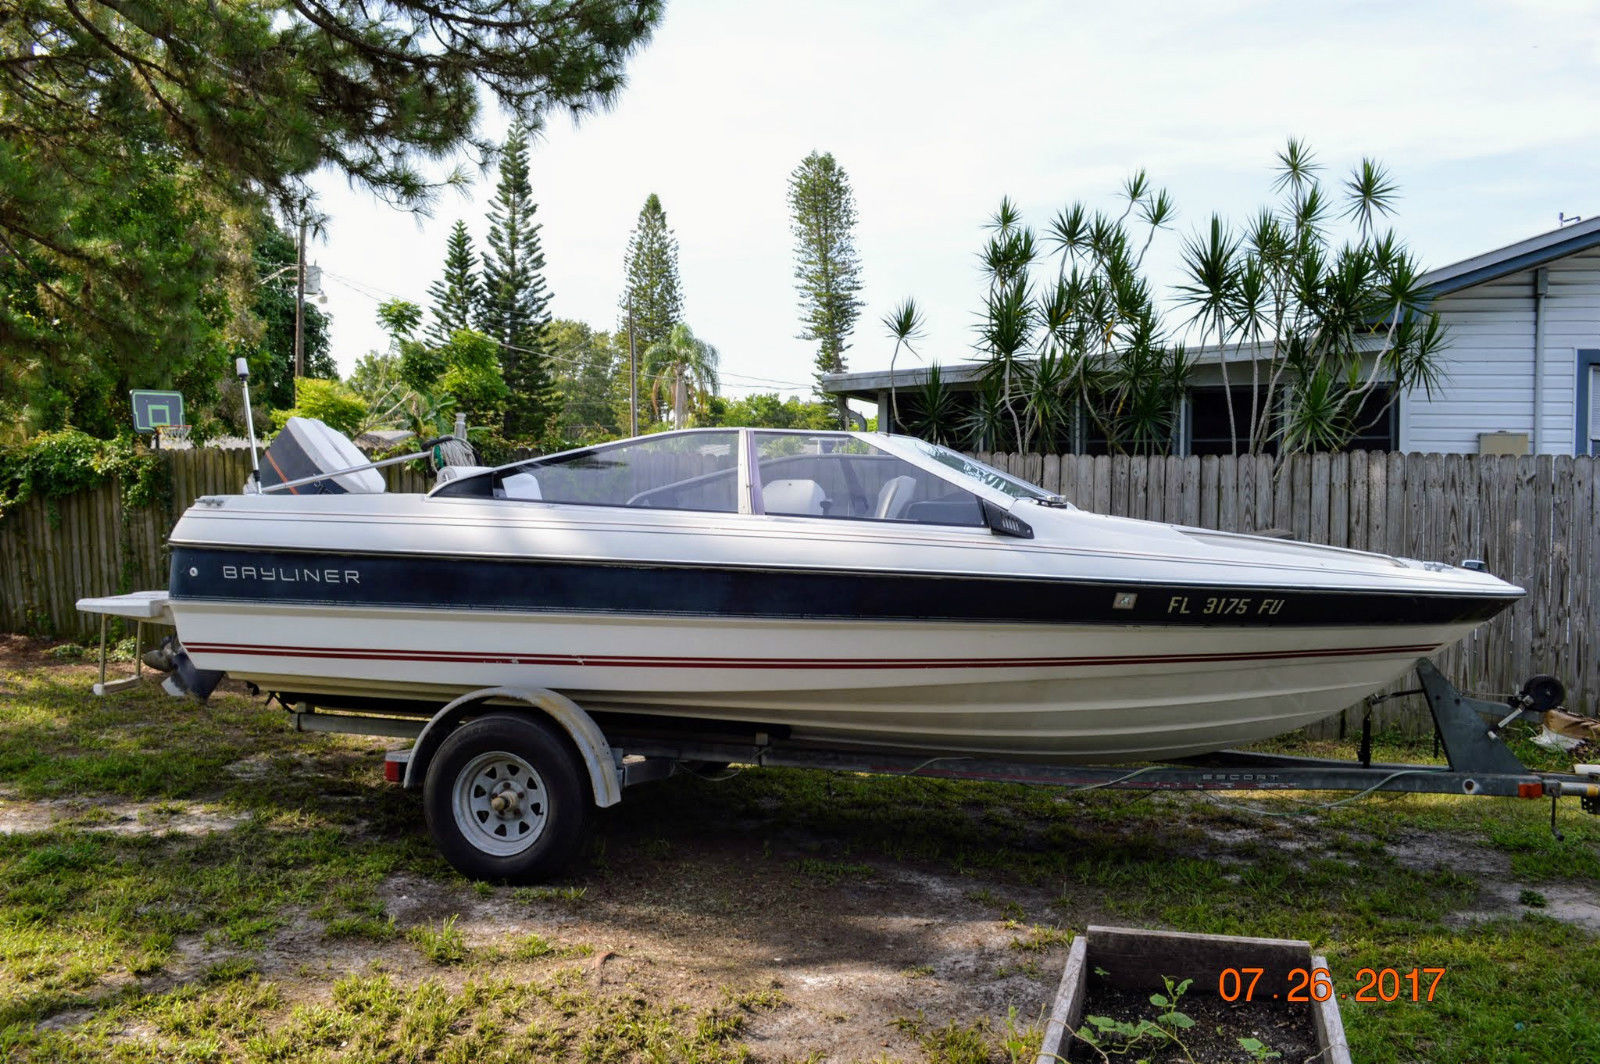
[1316, 984]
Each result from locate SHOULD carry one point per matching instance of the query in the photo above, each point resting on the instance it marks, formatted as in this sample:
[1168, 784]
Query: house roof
[1523, 255]
[868, 383]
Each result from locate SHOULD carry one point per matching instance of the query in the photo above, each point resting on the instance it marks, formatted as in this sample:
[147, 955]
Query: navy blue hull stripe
[436, 582]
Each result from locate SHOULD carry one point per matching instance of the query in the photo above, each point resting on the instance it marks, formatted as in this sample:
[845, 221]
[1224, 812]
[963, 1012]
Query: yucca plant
[1328, 325]
[904, 324]
[1005, 329]
[1050, 399]
[987, 424]
[1066, 347]
[934, 411]
[1319, 324]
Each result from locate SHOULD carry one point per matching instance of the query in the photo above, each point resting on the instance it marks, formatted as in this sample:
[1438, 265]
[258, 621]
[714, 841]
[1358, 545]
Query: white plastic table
[141, 607]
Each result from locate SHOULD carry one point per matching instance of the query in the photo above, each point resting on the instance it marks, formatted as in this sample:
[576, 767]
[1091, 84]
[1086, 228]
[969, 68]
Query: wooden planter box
[1137, 959]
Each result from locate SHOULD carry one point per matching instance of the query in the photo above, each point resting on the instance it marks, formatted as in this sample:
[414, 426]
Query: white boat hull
[1071, 693]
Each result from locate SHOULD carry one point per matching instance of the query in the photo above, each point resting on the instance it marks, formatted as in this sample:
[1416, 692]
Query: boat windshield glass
[970, 467]
[672, 471]
[836, 475]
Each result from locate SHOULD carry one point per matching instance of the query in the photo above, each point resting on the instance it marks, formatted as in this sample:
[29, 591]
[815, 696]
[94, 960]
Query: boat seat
[804, 497]
[894, 497]
[523, 486]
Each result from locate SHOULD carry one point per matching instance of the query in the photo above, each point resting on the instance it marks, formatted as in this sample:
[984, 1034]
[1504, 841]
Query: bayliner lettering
[291, 575]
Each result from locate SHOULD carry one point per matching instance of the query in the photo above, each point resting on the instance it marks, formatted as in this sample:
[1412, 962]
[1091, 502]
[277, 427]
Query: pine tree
[135, 140]
[827, 269]
[652, 290]
[458, 294]
[516, 301]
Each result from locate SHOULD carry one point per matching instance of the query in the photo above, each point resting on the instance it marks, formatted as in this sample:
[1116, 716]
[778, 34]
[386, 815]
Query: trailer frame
[1479, 764]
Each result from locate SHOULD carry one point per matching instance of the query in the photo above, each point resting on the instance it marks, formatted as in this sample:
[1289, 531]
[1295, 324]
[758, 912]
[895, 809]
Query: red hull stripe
[638, 662]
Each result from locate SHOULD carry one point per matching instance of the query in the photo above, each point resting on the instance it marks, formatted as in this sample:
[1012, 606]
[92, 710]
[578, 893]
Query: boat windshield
[670, 471]
[986, 475]
[846, 476]
[791, 473]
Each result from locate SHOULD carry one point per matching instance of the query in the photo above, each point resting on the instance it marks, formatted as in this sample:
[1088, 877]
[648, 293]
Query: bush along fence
[1533, 521]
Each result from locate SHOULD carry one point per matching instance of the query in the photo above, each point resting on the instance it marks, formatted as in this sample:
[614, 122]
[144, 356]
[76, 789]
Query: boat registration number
[1224, 606]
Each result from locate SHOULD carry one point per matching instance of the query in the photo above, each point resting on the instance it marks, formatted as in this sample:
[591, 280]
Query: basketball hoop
[173, 437]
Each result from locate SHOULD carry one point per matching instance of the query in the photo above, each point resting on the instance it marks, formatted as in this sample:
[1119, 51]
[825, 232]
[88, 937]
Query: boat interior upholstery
[894, 497]
[802, 497]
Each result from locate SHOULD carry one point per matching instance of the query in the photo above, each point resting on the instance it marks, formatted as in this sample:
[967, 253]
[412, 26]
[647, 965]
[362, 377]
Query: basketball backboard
[153, 410]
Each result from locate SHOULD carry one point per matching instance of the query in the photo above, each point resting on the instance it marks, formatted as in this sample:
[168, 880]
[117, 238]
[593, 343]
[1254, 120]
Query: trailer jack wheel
[504, 799]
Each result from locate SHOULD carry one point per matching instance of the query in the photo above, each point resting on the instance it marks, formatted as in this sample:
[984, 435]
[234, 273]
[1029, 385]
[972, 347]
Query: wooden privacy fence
[1534, 521]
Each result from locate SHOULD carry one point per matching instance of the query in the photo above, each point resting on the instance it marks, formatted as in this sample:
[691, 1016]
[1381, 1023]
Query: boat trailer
[501, 761]
[1468, 731]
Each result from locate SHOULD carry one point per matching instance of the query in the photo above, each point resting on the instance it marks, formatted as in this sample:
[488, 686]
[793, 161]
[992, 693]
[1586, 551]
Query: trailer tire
[505, 800]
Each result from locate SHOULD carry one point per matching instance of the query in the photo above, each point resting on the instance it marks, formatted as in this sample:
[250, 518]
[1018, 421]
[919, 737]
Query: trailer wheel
[504, 799]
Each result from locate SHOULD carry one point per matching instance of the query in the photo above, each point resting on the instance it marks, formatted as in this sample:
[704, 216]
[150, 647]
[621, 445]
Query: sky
[1486, 113]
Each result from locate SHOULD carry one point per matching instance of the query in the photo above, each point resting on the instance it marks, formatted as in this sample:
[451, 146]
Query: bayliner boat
[848, 588]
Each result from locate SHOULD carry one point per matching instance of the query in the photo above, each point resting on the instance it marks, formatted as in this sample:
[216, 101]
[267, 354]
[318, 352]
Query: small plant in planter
[1108, 1035]
[1258, 1049]
[1161, 997]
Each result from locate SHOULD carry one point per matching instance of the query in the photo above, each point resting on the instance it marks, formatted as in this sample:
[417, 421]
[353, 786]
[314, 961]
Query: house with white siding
[1524, 341]
[1520, 374]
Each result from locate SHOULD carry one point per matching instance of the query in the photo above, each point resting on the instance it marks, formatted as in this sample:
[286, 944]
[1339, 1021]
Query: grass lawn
[201, 883]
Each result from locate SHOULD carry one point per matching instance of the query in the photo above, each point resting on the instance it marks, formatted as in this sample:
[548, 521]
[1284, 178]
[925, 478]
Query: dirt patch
[852, 959]
[1500, 893]
[114, 817]
[21, 651]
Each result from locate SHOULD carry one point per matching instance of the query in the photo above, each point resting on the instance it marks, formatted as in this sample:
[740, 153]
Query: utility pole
[300, 299]
[633, 378]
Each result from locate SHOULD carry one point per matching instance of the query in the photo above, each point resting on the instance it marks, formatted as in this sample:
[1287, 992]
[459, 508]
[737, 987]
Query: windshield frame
[982, 480]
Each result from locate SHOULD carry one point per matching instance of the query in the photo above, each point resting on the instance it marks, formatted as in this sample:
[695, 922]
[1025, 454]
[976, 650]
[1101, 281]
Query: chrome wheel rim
[500, 804]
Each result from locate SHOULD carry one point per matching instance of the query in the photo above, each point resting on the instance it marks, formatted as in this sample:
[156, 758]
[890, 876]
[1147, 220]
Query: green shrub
[56, 464]
[331, 402]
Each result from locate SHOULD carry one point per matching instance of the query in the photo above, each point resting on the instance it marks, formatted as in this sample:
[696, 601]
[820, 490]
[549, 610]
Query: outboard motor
[182, 676]
[306, 448]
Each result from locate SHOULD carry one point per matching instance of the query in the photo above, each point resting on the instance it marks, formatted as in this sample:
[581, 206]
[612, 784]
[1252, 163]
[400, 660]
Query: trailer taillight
[394, 765]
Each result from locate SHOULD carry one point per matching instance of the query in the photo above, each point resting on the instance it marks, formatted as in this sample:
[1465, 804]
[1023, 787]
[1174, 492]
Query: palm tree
[684, 364]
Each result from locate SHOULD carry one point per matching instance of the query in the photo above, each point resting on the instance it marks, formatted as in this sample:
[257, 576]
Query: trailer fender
[605, 778]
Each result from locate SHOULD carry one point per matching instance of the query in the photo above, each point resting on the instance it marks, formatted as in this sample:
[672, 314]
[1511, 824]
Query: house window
[1588, 403]
[1208, 421]
[1377, 422]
